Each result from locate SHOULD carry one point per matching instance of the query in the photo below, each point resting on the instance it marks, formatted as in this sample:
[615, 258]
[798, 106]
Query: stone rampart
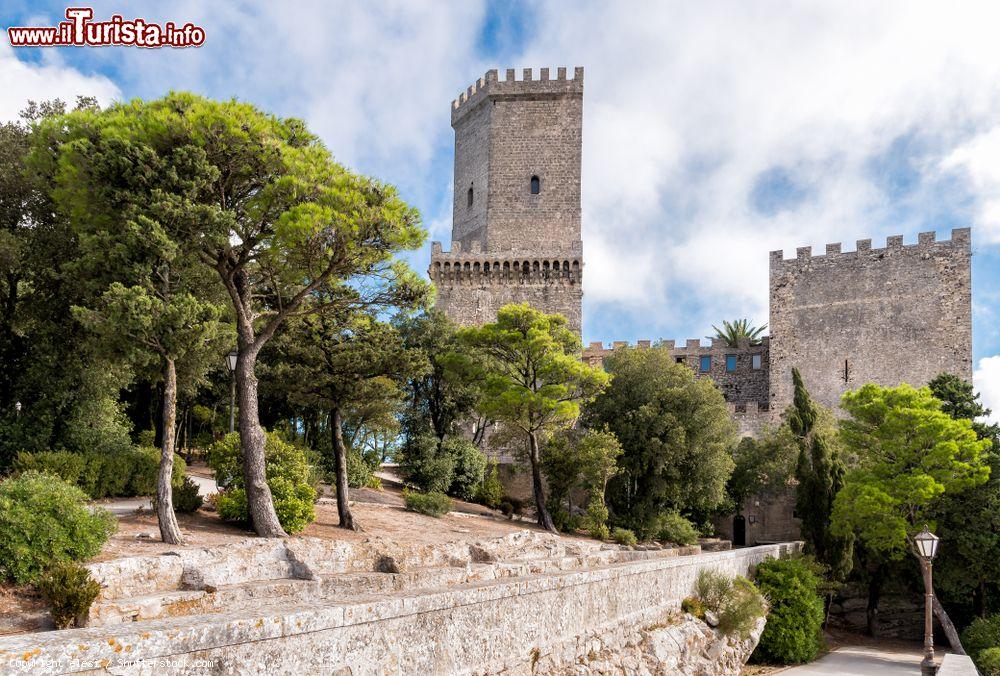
[496, 626]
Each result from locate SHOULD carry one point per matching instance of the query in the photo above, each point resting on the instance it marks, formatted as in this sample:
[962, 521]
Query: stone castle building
[516, 214]
[902, 313]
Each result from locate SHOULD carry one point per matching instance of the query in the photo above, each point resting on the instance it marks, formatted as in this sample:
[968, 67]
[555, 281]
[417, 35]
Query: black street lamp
[926, 544]
[231, 363]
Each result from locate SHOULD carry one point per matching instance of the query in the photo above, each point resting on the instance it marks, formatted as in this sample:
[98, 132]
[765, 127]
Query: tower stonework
[516, 214]
[886, 316]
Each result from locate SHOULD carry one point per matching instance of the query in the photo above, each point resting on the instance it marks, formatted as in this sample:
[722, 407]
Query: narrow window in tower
[469, 203]
[536, 185]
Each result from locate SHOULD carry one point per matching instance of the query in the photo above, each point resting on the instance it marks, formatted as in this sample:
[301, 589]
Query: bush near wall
[981, 640]
[43, 521]
[794, 631]
[289, 476]
[736, 603]
[432, 504]
[115, 474]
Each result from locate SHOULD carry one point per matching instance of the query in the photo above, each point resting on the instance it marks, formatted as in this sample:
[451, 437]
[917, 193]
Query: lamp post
[926, 544]
[231, 363]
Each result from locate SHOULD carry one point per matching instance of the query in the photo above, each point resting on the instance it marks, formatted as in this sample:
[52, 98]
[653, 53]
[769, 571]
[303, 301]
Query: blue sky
[713, 132]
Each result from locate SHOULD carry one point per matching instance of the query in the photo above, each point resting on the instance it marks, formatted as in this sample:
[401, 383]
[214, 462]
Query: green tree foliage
[54, 393]
[675, 432]
[156, 306]
[738, 329]
[794, 630]
[982, 641]
[675, 528]
[968, 567]
[533, 381]
[736, 602]
[490, 491]
[289, 477]
[911, 453]
[279, 222]
[820, 474]
[44, 521]
[432, 504]
[578, 460]
[435, 454]
[341, 364]
[762, 467]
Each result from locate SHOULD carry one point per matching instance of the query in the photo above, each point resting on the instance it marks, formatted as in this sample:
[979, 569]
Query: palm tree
[736, 330]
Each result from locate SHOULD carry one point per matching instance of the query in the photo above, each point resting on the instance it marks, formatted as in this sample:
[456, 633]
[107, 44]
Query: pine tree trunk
[544, 518]
[874, 595]
[170, 532]
[259, 501]
[949, 628]
[340, 469]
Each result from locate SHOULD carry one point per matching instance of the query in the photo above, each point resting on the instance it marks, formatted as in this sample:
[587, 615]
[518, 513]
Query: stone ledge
[565, 604]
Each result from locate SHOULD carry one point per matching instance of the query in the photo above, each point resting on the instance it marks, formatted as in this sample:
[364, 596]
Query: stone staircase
[257, 574]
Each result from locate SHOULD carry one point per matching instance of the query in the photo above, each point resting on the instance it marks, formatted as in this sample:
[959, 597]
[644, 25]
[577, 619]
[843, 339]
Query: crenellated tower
[516, 212]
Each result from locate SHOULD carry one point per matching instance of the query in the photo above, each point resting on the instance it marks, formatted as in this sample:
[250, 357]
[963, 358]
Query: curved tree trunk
[544, 518]
[949, 628]
[340, 469]
[259, 502]
[170, 532]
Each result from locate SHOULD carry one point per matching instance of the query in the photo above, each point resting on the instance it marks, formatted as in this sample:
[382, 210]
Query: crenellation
[863, 245]
[926, 237]
[926, 241]
[561, 73]
[833, 248]
[692, 343]
[544, 75]
[894, 242]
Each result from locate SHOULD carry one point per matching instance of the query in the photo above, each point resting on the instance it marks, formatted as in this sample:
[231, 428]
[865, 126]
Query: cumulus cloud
[713, 134]
[979, 157]
[986, 379]
[49, 79]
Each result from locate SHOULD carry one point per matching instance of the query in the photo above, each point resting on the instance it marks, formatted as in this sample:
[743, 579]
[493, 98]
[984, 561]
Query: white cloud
[688, 106]
[49, 79]
[979, 157]
[986, 379]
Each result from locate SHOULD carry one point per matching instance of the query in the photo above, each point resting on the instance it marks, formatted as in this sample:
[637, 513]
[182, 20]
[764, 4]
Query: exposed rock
[711, 619]
[387, 564]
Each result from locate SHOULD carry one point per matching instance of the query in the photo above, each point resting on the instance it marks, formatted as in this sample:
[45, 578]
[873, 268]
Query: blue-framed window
[706, 363]
[730, 363]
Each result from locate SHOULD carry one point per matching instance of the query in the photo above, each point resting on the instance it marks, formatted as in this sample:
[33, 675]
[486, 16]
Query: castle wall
[892, 315]
[472, 146]
[745, 387]
[509, 245]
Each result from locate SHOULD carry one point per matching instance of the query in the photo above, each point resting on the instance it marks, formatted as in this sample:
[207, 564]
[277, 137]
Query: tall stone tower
[516, 218]
[885, 316]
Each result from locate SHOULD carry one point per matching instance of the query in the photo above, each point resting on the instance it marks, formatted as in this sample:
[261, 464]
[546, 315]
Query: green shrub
[187, 497]
[112, 474]
[794, 631]
[675, 528]
[63, 464]
[989, 662]
[742, 608]
[694, 606]
[736, 602]
[424, 466]
[624, 536]
[70, 591]
[146, 438]
[359, 470]
[44, 521]
[431, 504]
[596, 520]
[980, 636]
[289, 476]
[470, 466]
[490, 491]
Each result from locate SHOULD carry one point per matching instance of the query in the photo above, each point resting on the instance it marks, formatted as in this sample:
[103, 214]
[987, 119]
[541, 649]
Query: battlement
[926, 241]
[688, 345]
[459, 267]
[491, 86]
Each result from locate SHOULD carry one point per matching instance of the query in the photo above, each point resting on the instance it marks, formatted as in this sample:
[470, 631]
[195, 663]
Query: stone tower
[516, 214]
[886, 316]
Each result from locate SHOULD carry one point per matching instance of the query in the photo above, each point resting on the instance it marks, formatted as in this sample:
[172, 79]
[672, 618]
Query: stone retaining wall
[503, 626]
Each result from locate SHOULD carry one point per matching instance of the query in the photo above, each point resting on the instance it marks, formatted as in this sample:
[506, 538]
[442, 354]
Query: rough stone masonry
[516, 217]
[889, 315]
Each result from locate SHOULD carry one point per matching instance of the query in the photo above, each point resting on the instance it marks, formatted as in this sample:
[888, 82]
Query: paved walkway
[124, 506]
[861, 661]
